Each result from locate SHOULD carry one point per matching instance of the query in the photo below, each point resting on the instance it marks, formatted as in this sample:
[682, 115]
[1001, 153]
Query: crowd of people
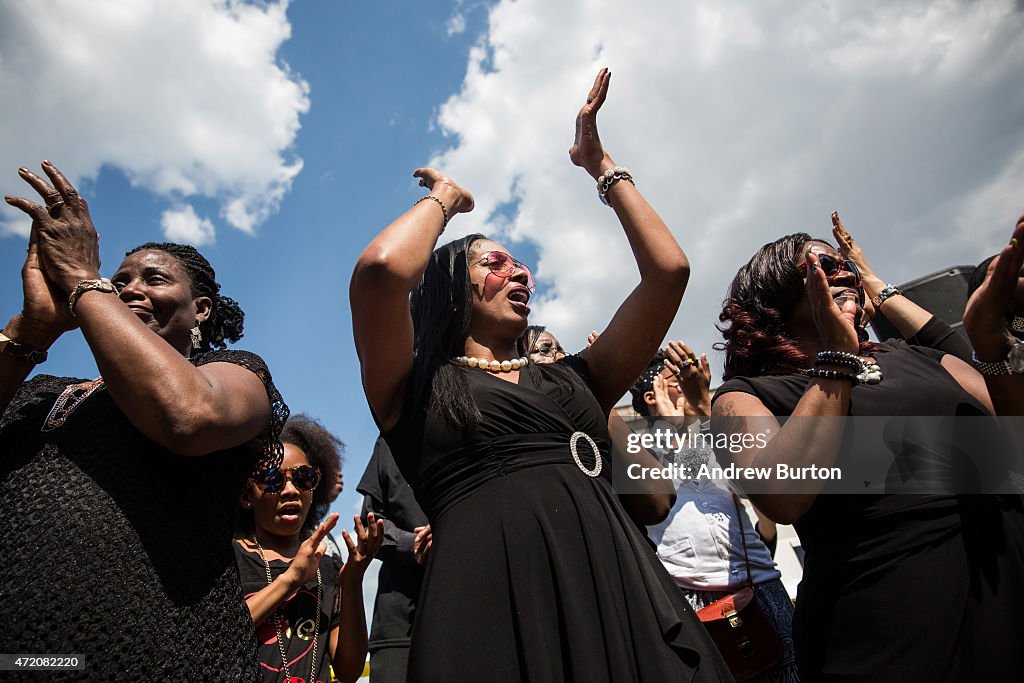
[170, 518]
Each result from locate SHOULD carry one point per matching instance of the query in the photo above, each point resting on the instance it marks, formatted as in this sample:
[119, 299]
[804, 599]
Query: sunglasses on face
[547, 351]
[304, 477]
[830, 265]
[504, 266]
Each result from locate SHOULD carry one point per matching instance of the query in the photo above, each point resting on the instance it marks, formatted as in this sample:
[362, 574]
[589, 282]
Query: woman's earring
[197, 337]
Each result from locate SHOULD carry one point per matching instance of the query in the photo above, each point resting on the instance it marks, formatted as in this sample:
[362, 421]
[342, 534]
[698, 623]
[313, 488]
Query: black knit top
[115, 549]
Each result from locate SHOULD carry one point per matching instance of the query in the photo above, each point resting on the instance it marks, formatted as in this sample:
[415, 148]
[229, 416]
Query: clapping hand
[302, 569]
[67, 242]
[694, 377]
[586, 150]
[366, 545]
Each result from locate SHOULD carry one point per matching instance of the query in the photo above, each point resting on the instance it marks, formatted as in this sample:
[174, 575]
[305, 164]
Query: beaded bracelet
[439, 203]
[840, 358]
[609, 178]
[832, 374]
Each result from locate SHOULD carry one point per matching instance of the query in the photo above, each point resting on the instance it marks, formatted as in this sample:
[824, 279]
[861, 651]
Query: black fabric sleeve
[375, 486]
[937, 334]
[273, 451]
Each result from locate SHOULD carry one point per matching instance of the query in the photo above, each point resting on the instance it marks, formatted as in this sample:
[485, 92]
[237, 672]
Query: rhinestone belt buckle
[576, 436]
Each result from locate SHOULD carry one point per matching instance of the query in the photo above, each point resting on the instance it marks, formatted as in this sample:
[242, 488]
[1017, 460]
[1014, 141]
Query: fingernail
[1013, 242]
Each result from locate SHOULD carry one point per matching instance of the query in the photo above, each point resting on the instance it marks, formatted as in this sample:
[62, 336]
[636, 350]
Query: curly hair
[323, 450]
[761, 297]
[645, 382]
[226, 316]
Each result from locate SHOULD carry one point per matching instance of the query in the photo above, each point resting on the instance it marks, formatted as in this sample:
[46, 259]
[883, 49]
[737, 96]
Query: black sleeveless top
[891, 580]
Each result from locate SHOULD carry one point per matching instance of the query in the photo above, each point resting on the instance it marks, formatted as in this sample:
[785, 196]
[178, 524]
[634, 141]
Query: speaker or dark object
[943, 293]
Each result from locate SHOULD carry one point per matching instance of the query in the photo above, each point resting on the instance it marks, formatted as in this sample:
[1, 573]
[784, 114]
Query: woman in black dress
[896, 586]
[536, 573]
[118, 495]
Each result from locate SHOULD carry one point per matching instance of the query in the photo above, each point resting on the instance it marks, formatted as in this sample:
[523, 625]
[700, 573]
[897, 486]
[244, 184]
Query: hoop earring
[197, 337]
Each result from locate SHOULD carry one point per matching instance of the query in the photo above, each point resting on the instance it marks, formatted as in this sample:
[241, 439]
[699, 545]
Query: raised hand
[362, 550]
[68, 245]
[586, 150]
[302, 570]
[422, 543]
[663, 404]
[44, 307]
[836, 326]
[847, 247]
[455, 198]
[985, 314]
[694, 377]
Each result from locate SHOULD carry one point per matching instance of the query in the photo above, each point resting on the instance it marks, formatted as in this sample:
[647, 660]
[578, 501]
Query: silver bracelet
[609, 178]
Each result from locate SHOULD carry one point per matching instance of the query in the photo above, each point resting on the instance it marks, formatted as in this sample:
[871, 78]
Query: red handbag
[741, 631]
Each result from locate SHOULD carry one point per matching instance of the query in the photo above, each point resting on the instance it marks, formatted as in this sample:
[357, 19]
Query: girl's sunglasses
[504, 266]
[273, 480]
[830, 265]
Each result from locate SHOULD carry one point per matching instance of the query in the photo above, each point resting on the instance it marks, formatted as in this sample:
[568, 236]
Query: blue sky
[283, 137]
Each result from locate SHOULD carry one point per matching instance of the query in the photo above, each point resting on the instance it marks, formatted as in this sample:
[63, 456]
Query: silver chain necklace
[277, 618]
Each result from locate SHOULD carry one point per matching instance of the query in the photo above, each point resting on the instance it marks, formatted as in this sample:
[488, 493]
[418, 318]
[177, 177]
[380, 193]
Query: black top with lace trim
[115, 549]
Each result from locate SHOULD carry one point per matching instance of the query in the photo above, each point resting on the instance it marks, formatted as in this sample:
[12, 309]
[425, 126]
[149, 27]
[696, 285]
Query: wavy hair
[761, 297]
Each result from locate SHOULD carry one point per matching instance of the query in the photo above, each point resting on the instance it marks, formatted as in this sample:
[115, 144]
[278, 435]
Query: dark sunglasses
[830, 265]
[503, 265]
[305, 478]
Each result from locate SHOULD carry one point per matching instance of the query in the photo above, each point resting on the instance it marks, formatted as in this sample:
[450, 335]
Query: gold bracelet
[439, 203]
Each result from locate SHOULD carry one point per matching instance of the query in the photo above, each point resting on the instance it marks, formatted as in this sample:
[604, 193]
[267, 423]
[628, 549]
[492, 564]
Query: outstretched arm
[642, 319]
[386, 272]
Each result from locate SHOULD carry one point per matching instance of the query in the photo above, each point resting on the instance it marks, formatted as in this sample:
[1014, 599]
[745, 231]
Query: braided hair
[645, 382]
[226, 317]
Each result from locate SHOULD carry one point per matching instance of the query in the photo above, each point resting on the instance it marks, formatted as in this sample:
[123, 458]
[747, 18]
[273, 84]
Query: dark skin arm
[386, 272]
[653, 505]
[188, 410]
[348, 640]
[642, 319]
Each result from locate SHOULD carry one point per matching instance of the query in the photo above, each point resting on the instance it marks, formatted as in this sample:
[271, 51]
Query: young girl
[307, 607]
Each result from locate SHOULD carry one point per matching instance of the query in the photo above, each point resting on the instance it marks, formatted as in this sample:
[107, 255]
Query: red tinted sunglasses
[830, 265]
[503, 265]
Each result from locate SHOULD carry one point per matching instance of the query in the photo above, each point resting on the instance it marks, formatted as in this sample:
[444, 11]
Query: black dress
[115, 549]
[536, 573]
[901, 587]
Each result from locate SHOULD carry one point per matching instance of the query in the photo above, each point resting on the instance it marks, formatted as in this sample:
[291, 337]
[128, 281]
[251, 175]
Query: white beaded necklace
[494, 365]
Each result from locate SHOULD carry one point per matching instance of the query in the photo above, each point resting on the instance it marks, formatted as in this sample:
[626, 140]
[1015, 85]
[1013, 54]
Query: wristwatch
[1013, 365]
[9, 347]
[101, 285]
[887, 291]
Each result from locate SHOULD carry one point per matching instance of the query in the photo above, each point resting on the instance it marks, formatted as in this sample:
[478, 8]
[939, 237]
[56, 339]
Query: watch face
[1016, 358]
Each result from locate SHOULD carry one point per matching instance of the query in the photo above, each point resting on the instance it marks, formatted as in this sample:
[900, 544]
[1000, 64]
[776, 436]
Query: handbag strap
[740, 514]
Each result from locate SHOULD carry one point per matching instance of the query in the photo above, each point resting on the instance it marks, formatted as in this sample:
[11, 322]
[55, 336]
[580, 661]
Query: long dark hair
[442, 308]
[226, 316]
[760, 299]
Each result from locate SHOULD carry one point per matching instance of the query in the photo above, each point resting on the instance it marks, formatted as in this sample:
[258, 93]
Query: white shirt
[700, 544]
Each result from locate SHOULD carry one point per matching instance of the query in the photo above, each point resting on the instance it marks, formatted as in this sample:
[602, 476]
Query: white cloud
[456, 24]
[188, 98]
[183, 225]
[742, 121]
